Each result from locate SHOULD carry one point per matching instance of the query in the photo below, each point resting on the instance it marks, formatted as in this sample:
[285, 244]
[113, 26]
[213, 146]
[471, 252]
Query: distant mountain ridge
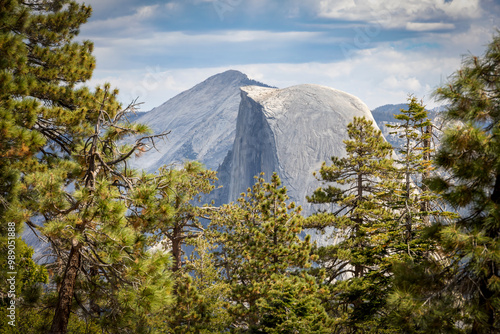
[384, 115]
[386, 112]
[232, 124]
[201, 121]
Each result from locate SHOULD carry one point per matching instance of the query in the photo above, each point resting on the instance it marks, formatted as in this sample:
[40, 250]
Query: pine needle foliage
[62, 164]
[167, 203]
[470, 154]
[201, 294]
[360, 187]
[417, 259]
[259, 250]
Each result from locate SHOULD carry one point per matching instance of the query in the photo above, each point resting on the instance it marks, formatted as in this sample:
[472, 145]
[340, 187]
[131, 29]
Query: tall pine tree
[18, 146]
[470, 155]
[416, 258]
[259, 250]
[413, 202]
[61, 163]
[363, 224]
[101, 255]
[34, 43]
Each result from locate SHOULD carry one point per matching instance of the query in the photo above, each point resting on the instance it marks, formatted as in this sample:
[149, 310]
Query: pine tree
[259, 248]
[415, 164]
[470, 155]
[291, 305]
[172, 215]
[416, 258]
[166, 203]
[417, 207]
[29, 82]
[189, 312]
[102, 257]
[61, 162]
[201, 298]
[363, 224]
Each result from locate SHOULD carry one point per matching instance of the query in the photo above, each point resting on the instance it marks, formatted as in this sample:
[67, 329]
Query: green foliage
[167, 205]
[37, 320]
[61, 161]
[24, 77]
[259, 234]
[414, 198]
[200, 297]
[259, 249]
[363, 225]
[192, 311]
[417, 304]
[291, 305]
[416, 261]
[469, 153]
[189, 311]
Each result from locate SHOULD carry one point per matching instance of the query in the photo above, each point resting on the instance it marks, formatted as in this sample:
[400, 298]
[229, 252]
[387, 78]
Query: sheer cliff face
[290, 131]
[254, 149]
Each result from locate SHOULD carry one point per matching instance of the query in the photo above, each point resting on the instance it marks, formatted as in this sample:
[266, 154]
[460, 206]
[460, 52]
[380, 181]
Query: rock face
[290, 131]
[201, 120]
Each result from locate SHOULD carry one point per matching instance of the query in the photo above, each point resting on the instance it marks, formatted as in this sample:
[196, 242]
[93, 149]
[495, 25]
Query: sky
[379, 51]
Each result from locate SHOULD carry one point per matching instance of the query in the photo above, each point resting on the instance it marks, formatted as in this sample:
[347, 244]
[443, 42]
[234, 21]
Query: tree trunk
[485, 296]
[358, 269]
[409, 207]
[177, 249]
[425, 207]
[63, 309]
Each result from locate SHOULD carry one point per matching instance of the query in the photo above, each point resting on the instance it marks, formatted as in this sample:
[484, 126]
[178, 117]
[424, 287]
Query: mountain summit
[202, 121]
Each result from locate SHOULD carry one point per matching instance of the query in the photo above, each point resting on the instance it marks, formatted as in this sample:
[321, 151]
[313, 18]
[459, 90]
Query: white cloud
[172, 6]
[472, 40]
[461, 8]
[396, 13]
[378, 75]
[395, 83]
[146, 12]
[382, 76]
[425, 26]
